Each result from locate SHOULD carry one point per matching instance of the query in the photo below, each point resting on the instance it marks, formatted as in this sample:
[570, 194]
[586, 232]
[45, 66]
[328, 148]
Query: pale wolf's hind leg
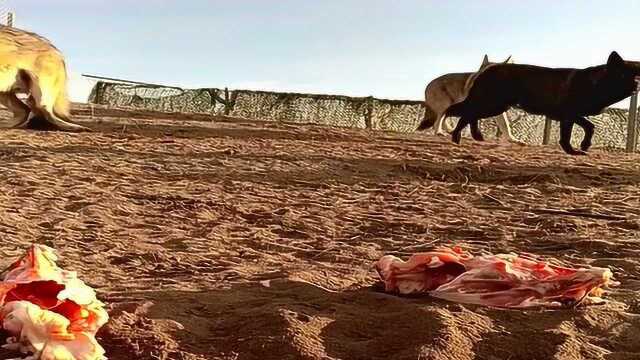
[19, 109]
[42, 100]
[446, 128]
[505, 129]
[440, 124]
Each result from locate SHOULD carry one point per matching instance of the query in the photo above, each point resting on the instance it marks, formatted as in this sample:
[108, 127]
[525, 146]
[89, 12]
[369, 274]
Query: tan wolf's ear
[485, 61]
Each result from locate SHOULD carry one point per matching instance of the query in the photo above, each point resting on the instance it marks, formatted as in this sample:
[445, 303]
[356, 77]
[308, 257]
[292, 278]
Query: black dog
[565, 95]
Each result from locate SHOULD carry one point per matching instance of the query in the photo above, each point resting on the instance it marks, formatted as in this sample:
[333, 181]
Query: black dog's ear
[614, 60]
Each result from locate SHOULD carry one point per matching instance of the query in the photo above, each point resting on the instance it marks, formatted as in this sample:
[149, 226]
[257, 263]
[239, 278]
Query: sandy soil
[246, 240]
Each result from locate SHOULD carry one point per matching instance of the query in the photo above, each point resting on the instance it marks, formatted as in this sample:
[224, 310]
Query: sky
[382, 48]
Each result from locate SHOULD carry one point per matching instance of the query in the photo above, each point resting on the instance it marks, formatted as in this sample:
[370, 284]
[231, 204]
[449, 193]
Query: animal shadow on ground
[238, 129]
[286, 319]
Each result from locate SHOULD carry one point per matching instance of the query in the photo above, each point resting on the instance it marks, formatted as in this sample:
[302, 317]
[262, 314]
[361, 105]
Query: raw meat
[504, 280]
[48, 310]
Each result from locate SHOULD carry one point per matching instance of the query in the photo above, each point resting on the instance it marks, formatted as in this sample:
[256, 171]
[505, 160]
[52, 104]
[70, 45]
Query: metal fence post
[368, 116]
[632, 126]
[227, 101]
[546, 137]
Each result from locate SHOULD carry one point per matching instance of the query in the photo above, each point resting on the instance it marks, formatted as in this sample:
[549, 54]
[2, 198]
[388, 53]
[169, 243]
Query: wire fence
[339, 111]
[7, 14]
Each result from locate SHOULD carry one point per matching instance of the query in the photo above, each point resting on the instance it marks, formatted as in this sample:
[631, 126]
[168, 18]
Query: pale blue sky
[354, 47]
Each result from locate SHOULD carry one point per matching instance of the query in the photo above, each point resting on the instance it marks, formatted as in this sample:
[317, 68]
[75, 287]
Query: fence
[331, 110]
[7, 15]
[612, 126]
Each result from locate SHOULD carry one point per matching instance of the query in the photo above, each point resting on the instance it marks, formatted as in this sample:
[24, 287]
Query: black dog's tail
[428, 120]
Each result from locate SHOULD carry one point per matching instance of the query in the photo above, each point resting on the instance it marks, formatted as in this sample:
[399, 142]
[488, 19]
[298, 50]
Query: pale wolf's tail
[49, 97]
[428, 120]
[61, 106]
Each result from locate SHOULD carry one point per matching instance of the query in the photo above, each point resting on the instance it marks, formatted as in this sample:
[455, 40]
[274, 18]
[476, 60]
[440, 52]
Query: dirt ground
[251, 240]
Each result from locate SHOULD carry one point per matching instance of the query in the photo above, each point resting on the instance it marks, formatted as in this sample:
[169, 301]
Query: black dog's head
[624, 74]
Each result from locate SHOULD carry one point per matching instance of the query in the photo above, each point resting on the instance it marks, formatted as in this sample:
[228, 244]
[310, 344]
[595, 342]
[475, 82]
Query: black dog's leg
[475, 131]
[566, 126]
[456, 134]
[588, 128]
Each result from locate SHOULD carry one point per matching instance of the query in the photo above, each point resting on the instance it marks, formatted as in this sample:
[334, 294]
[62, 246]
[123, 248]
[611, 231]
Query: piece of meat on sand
[503, 280]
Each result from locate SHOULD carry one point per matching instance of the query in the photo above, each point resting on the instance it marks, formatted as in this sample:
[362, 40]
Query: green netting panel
[167, 99]
[300, 108]
[401, 116]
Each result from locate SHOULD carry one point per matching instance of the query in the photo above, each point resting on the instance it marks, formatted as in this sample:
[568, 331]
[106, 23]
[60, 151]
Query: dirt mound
[234, 239]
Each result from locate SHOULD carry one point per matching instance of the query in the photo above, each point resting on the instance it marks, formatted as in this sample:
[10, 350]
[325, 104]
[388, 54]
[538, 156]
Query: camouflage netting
[394, 115]
[300, 108]
[167, 99]
[341, 111]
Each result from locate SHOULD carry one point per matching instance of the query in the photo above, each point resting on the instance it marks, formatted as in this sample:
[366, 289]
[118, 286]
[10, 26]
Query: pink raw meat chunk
[503, 280]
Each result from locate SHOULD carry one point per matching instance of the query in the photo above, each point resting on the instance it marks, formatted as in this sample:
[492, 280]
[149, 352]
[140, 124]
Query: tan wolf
[447, 90]
[30, 64]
